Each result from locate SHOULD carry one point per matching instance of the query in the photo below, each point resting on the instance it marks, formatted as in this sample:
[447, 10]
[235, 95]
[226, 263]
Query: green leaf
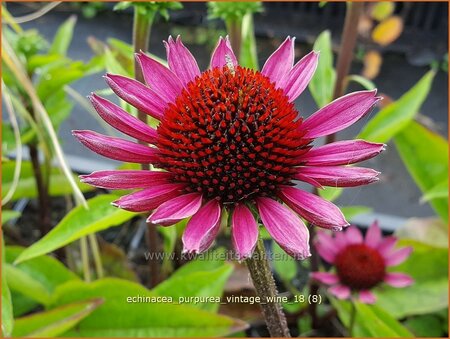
[425, 155]
[196, 284]
[284, 265]
[53, 323]
[20, 281]
[113, 65]
[233, 11]
[364, 82]
[370, 321]
[248, 56]
[331, 193]
[7, 307]
[63, 37]
[7, 310]
[119, 316]
[322, 83]
[352, 211]
[428, 325]
[436, 192]
[428, 266]
[47, 270]
[419, 298]
[78, 223]
[8, 215]
[379, 323]
[27, 184]
[396, 116]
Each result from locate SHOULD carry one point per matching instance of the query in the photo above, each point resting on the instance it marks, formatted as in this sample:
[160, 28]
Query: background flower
[360, 264]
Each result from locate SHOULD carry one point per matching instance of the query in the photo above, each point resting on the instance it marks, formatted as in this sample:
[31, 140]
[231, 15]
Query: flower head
[230, 138]
[360, 264]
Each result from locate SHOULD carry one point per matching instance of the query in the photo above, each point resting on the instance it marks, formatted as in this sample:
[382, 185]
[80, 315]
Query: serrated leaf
[396, 116]
[78, 223]
[322, 83]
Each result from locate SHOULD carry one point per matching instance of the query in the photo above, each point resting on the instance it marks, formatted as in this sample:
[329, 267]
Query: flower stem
[345, 55]
[351, 324]
[234, 29]
[265, 288]
[96, 254]
[85, 259]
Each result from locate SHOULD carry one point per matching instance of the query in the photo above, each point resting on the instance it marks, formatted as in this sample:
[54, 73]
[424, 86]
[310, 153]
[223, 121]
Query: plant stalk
[234, 29]
[345, 55]
[265, 288]
[141, 35]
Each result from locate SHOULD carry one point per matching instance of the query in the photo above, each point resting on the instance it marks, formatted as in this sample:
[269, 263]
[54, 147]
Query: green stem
[96, 254]
[85, 259]
[265, 288]
[345, 55]
[234, 29]
[351, 324]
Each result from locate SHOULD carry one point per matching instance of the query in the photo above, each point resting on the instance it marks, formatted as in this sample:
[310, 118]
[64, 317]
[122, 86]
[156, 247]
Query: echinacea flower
[360, 264]
[230, 138]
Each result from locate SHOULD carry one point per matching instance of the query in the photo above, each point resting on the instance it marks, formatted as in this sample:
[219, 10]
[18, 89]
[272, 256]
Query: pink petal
[387, 244]
[353, 235]
[137, 95]
[244, 231]
[176, 209]
[313, 208]
[367, 297]
[398, 279]
[339, 114]
[285, 227]
[325, 277]
[162, 80]
[397, 257]
[280, 62]
[326, 241]
[202, 228]
[122, 121]
[342, 153]
[149, 198]
[295, 82]
[223, 54]
[116, 148]
[327, 253]
[339, 176]
[304, 178]
[126, 179]
[373, 235]
[181, 61]
[340, 241]
[340, 291]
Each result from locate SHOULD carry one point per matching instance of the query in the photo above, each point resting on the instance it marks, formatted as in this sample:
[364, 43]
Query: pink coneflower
[360, 264]
[230, 138]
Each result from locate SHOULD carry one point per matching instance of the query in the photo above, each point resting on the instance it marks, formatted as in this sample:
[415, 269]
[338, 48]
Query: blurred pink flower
[360, 264]
[230, 138]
